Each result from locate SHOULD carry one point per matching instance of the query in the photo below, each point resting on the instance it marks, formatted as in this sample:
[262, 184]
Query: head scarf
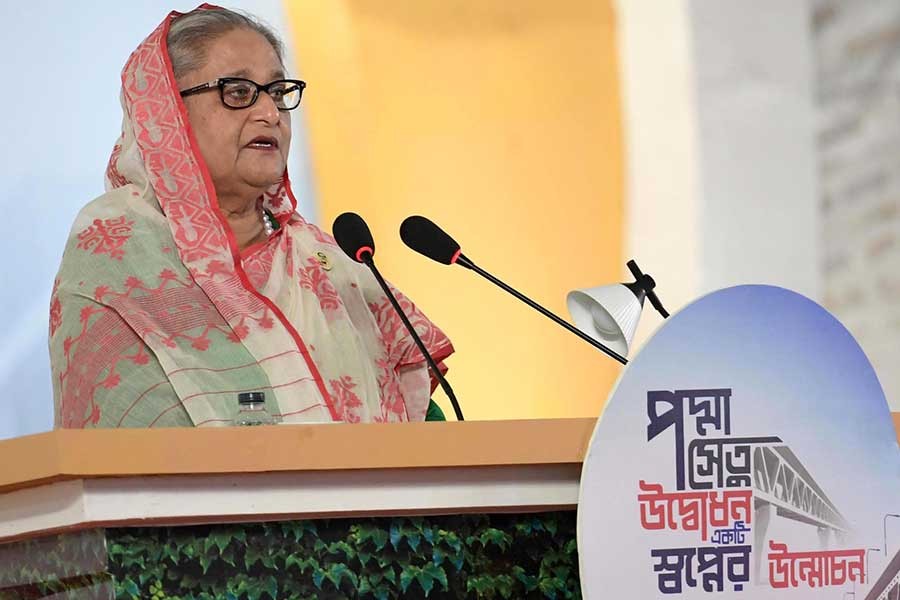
[158, 319]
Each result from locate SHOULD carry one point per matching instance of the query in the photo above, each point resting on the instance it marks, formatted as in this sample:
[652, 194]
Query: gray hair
[190, 36]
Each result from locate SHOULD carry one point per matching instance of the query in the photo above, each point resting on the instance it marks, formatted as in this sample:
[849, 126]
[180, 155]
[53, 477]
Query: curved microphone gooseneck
[355, 239]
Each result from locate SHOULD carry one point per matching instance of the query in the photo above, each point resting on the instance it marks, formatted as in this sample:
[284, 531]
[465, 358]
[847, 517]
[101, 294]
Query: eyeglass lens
[240, 94]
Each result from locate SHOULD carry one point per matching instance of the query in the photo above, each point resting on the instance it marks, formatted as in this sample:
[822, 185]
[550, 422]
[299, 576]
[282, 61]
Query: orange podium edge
[70, 480]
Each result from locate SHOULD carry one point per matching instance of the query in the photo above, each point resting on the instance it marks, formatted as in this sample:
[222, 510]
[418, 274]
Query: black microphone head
[353, 236]
[426, 238]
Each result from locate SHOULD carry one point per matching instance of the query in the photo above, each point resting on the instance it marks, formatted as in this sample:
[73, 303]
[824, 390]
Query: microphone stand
[366, 258]
[465, 262]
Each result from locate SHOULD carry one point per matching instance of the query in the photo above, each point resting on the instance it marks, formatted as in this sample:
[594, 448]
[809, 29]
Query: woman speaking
[192, 279]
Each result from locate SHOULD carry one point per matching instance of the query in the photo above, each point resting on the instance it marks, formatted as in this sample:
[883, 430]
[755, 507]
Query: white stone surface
[857, 58]
[267, 496]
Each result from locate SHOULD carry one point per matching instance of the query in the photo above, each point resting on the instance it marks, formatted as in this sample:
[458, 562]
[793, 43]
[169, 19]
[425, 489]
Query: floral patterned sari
[157, 320]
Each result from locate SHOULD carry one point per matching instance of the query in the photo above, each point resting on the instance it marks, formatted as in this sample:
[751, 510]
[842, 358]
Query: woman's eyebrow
[239, 73]
[244, 73]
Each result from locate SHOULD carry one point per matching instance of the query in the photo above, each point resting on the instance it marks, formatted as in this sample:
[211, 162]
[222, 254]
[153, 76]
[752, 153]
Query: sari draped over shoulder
[156, 318]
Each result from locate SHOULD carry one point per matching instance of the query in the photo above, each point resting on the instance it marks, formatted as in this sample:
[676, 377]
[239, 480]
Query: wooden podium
[447, 510]
[450, 510]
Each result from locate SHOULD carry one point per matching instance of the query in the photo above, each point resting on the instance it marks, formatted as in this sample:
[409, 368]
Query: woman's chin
[264, 178]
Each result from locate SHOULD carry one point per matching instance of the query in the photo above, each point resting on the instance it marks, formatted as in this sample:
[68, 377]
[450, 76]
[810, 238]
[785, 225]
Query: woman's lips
[264, 143]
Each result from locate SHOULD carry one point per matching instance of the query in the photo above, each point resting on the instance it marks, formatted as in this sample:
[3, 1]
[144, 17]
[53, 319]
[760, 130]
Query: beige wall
[501, 121]
[734, 171]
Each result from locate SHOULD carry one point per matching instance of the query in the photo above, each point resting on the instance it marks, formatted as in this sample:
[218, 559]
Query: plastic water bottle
[252, 410]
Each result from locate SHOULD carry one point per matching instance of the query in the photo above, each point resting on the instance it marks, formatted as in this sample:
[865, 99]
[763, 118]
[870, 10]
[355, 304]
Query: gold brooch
[324, 260]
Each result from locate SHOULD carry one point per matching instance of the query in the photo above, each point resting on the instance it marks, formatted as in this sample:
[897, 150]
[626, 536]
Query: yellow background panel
[500, 121]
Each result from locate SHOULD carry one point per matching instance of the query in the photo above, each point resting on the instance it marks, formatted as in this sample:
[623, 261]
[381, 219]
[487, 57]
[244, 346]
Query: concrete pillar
[762, 514]
[721, 180]
[823, 537]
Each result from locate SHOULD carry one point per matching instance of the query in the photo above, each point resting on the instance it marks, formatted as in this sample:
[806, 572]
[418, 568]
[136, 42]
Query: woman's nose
[264, 109]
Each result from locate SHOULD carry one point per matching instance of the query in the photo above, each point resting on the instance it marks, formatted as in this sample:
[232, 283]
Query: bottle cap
[251, 397]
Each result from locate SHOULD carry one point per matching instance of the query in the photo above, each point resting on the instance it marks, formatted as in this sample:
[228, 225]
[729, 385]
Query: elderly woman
[192, 279]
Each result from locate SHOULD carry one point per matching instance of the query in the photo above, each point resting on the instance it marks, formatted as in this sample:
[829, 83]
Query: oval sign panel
[746, 452]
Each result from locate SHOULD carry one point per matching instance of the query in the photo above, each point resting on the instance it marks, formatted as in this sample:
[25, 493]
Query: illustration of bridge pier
[782, 487]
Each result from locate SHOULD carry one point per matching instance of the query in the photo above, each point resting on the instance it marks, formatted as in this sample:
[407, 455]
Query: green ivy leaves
[471, 556]
[425, 576]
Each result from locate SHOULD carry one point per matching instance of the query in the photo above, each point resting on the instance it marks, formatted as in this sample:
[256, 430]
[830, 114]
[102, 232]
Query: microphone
[426, 238]
[353, 236]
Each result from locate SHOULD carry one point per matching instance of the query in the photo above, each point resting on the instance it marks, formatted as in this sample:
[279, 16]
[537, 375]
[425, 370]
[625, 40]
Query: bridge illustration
[783, 487]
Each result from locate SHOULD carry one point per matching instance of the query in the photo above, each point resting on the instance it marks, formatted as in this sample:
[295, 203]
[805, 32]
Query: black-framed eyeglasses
[237, 92]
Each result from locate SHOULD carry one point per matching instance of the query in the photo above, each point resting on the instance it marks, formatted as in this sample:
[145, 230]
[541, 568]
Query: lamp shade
[608, 313]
